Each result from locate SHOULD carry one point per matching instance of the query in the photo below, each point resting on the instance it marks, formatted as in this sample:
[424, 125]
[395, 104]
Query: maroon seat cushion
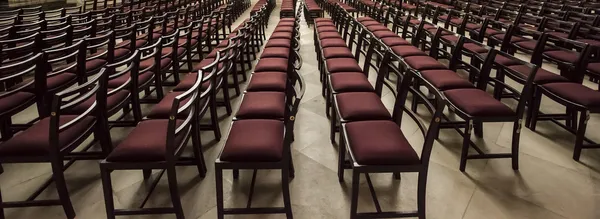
[337, 52]
[559, 34]
[576, 93]
[333, 42]
[407, 50]
[528, 44]
[272, 64]
[58, 81]
[17, 99]
[513, 39]
[323, 29]
[541, 76]
[121, 53]
[92, 65]
[267, 81]
[445, 79]
[502, 60]
[189, 81]
[284, 29]
[474, 48]
[146, 143]
[279, 43]
[138, 43]
[164, 63]
[563, 56]
[394, 41]
[262, 105]
[276, 52]
[142, 79]
[384, 33]
[319, 20]
[370, 23]
[112, 101]
[329, 35]
[35, 141]
[342, 64]
[472, 26]
[355, 106]
[478, 104]
[254, 140]
[361, 19]
[592, 42]
[325, 23]
[162, 109]
[594, 67]
[350, 82]
[379, 143]
[281, 35]
[169, 50]
[423, 63]
[380, 27]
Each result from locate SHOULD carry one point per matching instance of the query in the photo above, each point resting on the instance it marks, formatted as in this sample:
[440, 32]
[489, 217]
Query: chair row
[288, 8]
[262, 130]
[312, 10]
[368, 132]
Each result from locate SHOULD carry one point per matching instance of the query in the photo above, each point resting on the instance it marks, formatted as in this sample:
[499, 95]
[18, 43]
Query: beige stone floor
[548, 185]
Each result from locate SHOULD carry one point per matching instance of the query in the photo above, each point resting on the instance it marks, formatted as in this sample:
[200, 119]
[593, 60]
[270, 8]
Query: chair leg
[341, 159]
[235, 173]
[197, 147]
[465, 146]
[285, 185]
[478, 128]
[172, 177]
[226, 97]
[580, 135]
[214, 117]
[61, 187]
[515, 145]
[421, 193]
[219, 184]
[333, 126]
[354, 202]
[536, 102]
[108, 195]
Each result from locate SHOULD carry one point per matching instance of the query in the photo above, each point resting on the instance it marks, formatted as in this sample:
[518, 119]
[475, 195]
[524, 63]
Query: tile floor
[549, 184]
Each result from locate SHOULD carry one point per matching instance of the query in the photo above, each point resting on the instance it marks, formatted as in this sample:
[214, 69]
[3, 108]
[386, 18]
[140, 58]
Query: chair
[56, 137]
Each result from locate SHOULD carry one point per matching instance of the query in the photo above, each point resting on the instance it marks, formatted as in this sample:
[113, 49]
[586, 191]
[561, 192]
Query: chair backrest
[58, 60]
[16, 49]
[525, 78]
[12, 73]
[577, 68]
[443, 46]
[130, 66]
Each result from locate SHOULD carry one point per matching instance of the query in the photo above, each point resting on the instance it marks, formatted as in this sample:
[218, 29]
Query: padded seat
[474, 48]
[592, 42]
[558, 34]
[528, 44]
[162, 109]
[513, 39]
[361, 19]
[254, 140]
[189, 81]
[563, 56]
[276, 52]
[17, 99]
[169, 50]
[164, 63]
[205, 62]
[284, 29]
[142, 79]
[268, 81]
[576, 93]
[272, 64]
[379, 143]
[262, 105]
[502, 60]
[394, 41]
[421, 63]
[446, 79]
[472, 26]
[370, 23]
[138, 43]
[350, 82]
[92, 65]
[342, 64]
[56, 82]
[279, 43]
[478, 104]
[333, 42]
[146, 143]
[384, 33]
[281, 35]
[112, 101]
[408, 50]
[35, 141]
[380, 27]
[337, 52]
[324, 29]
[121, 52]
[356, 106]
[594, 67]
[541, 76]
[324, 24]
[329, 35]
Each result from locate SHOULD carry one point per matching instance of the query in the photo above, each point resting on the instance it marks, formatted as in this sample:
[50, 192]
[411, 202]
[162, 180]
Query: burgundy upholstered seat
[324, 29]
[478, 104]
[276, 52]
[272, 64]
[542, 76]
[281, 35]
[262, 105]
[394, 41]
[384, 33]
[254, 140]
[284, 29]
[379, 143]
[380, 27]
[354, 106]
[424, 63]
[268, 81]
[168, 50]
[333, 42]
[56, 81]
[337, 52]
[142, 79]
[35, 141]
[189, 81]
[279, 43]
[350, 82]
[329, 35]
[407, 50]
[563, 56]
[342, 64]
[445, 79]
[576, 93]
[138, 43]
[149, 62]
[162, 109]
[146, 143]
[9, 102]
[474, 48]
